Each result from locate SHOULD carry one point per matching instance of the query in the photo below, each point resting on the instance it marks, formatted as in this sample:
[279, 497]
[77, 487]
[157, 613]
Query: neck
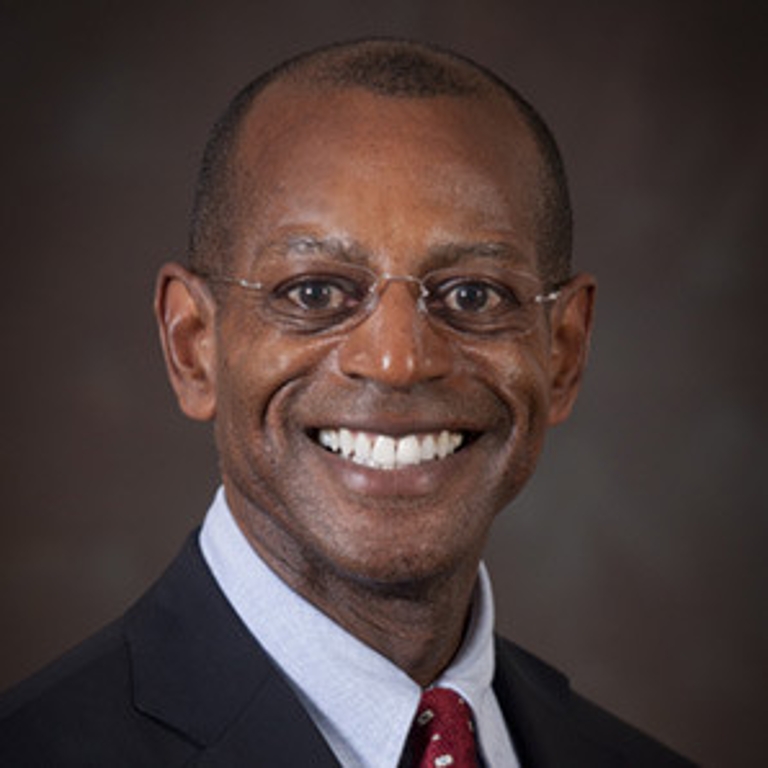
[418, 626]
[416, 620]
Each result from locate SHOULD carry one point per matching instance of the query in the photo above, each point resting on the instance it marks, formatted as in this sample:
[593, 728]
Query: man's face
[400, 185]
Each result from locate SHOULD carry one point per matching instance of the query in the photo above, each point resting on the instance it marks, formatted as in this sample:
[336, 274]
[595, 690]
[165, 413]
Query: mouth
[385, 452]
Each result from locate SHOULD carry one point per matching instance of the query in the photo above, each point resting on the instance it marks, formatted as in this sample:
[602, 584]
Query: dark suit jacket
[179, 681]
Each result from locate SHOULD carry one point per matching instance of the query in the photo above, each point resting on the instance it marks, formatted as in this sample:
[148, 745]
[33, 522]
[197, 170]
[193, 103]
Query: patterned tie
[443, 734]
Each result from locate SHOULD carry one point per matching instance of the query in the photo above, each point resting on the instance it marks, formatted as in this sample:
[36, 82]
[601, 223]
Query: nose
[395, 345]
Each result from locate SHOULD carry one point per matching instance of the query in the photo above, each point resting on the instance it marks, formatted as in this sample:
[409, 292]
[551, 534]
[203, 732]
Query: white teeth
[408, 451]
[346, 441]
[428, 448]
[362, 448]
[383, 452]
[330, 439]
[443, 444]
[386, 452]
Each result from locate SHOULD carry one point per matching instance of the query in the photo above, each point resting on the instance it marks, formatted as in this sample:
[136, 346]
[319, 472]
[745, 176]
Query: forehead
[385, 168]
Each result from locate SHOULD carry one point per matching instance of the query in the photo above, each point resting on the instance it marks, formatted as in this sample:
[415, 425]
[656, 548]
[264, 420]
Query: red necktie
[442, 734]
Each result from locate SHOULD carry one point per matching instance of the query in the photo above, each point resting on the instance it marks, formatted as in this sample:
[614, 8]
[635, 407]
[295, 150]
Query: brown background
[635, 560]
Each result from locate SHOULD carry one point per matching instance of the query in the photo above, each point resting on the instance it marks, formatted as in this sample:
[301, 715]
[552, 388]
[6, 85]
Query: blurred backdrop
[635, 559]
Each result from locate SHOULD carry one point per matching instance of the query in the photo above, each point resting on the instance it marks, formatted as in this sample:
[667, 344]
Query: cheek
[517, 373]
[257, 382]
[258, 375]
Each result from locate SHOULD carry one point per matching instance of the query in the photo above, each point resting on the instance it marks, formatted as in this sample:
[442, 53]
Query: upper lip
[397, 427]
[399, 415]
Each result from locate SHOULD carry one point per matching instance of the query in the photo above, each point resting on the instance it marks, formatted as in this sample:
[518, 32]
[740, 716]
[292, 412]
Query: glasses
[336, 297]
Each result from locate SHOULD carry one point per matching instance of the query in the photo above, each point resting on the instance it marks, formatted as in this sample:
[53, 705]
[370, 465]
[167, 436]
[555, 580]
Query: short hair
[389, 67]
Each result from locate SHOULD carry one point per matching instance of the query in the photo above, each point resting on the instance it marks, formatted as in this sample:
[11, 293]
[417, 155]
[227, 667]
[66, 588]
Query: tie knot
[443, 733]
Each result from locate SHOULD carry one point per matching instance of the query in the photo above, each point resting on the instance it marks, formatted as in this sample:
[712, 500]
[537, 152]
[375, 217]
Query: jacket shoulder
[79, 710]
[178, 680]
[545, 715]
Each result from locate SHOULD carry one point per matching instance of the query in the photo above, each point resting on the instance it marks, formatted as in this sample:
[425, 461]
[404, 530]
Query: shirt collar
[363, 704]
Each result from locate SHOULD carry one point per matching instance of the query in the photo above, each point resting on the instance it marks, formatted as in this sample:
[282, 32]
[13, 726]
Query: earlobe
[571, 329]
[185, 314]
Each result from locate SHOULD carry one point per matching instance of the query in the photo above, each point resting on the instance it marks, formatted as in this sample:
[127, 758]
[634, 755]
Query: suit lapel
[535, 700]
[197, 669]
[273, 731]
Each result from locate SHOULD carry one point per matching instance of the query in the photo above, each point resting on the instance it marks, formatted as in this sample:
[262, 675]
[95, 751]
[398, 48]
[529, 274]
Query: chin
[397, 572]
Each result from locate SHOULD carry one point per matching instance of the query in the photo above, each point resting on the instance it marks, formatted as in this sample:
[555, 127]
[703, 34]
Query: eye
[475, 296]
[319, 295]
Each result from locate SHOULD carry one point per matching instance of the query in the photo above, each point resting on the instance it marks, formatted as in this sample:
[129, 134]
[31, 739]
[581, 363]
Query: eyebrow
[451, 253]
[300, 245]
[439, 256]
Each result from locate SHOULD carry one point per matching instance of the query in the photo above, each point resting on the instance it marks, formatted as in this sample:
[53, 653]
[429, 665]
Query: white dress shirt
[360, 701]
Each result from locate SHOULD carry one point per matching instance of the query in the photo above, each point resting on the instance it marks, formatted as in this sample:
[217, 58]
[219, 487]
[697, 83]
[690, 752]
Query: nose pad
[409, 281]
[396, 345]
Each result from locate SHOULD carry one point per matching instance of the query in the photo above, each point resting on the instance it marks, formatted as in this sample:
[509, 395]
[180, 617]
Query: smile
[387, 452]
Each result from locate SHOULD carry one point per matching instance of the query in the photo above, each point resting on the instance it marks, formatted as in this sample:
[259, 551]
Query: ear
[571, 327]
[186, 314]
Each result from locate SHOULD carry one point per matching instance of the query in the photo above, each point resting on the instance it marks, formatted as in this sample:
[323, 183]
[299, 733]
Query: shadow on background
[635, 559]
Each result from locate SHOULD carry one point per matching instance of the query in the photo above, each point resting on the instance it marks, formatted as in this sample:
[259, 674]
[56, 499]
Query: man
[379, 317]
